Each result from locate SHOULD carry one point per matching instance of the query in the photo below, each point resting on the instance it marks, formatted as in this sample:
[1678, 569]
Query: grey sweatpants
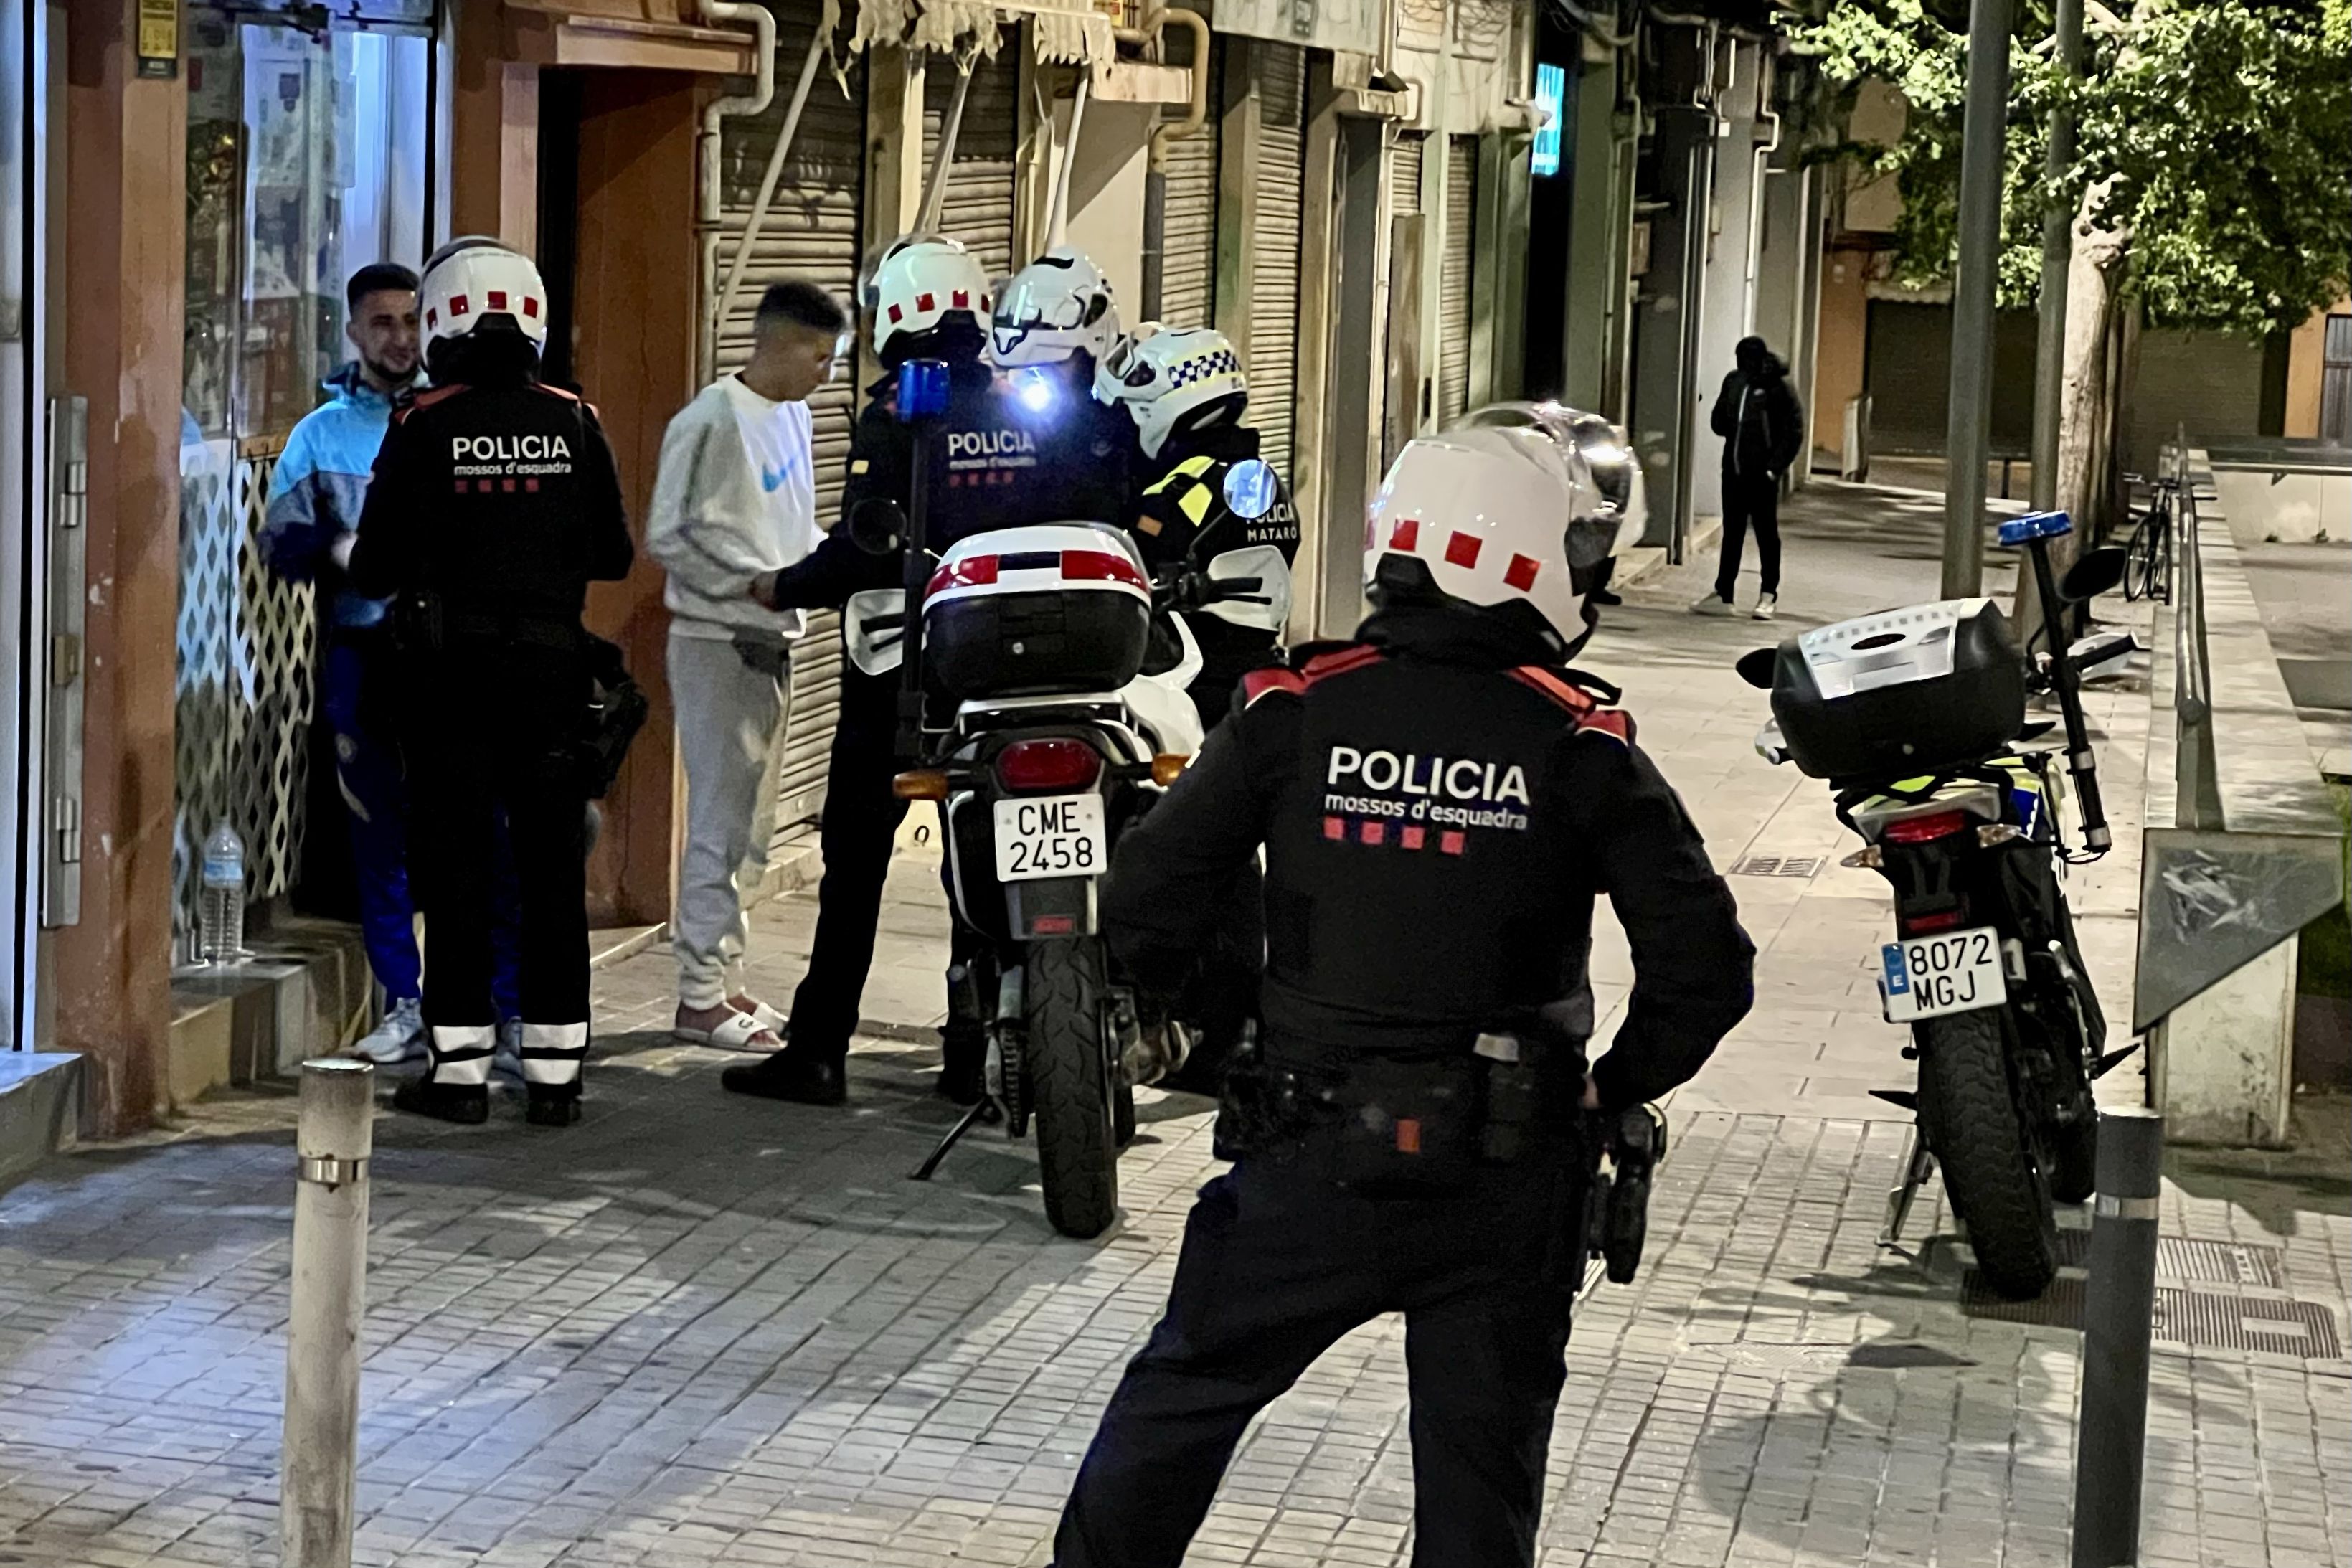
[731, 719]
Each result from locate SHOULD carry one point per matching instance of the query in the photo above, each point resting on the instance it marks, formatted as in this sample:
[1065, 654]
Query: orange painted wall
[2304, 357]
[1839, 358]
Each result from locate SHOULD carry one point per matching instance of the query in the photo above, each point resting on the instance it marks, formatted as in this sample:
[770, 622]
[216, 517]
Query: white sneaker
[399, 1038]
[506, 1056]
[1711, 604]
[1767, 606]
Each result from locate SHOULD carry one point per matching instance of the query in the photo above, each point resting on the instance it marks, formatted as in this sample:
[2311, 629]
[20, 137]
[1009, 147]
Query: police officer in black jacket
[1440, 803]
[1000, 461]
[495, 503]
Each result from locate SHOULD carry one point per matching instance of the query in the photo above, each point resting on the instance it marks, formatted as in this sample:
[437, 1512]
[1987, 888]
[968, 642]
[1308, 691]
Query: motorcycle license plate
[1951, 971]
[1051, 836]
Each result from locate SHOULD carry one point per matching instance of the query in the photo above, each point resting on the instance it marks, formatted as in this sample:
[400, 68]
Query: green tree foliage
[2225, 125]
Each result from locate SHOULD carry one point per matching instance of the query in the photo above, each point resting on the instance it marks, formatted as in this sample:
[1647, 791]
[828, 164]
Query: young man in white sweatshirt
[735, 499]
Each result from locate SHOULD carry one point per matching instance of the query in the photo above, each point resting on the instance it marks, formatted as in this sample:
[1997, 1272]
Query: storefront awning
[1070, 34]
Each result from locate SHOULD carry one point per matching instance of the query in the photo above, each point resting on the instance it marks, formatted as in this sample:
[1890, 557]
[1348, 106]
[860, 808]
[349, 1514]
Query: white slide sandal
[741, 1032]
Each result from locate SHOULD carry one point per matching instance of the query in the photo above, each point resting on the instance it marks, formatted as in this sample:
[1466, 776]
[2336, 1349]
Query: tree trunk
[2089, 392]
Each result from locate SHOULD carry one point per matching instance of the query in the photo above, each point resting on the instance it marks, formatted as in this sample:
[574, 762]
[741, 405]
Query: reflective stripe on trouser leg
[461, 1055]
[553, 1053]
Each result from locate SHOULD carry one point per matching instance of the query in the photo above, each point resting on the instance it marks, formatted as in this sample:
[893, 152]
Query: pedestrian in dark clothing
[1763, 429]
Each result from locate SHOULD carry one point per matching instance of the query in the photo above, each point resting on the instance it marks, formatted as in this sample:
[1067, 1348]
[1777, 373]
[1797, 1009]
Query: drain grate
[1777, 866]
[2247, 1323]
[2197, 1318]
[2193, 1262]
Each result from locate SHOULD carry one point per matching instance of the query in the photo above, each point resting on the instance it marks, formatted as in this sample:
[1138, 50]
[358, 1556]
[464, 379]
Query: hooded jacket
[1760, 421]
[317, 487]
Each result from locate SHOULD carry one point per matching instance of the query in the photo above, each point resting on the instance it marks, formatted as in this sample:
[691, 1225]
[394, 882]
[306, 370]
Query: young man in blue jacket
[316, 492]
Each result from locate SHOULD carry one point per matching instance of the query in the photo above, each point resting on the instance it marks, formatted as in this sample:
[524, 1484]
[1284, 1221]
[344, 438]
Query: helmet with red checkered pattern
[474, 282]
[923, 285]
[1491, 517]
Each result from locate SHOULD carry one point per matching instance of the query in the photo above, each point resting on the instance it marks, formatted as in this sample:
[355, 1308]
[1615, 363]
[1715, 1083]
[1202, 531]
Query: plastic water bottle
[220, 911]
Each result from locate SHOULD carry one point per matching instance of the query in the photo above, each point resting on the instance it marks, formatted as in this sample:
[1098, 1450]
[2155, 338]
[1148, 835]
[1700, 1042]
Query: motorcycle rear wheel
[1070, 1085]
[1991, 1169]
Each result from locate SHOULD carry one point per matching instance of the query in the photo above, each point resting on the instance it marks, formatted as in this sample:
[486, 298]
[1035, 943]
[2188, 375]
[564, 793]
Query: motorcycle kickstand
[1917, 1164]
[964, 1125]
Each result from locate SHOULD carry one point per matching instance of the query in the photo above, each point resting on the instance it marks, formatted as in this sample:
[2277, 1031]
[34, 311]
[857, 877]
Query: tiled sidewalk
[698, 1330]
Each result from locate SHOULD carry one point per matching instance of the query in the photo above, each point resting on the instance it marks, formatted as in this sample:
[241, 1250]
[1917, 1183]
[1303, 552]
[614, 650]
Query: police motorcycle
[1916, 717]
[1044, 707]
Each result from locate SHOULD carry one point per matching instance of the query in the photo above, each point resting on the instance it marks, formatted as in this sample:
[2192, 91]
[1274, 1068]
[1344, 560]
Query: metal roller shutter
[1454, 279]
[1404, 173]
[812, 231]
[1188, 265]
[1278, 74]
[980, 196]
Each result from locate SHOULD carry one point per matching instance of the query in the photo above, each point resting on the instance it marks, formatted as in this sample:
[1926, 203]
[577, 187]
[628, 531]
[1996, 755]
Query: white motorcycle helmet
[1167, 379]
[1057, 306]
[476, 281]
[922, 284]
[1495, 514]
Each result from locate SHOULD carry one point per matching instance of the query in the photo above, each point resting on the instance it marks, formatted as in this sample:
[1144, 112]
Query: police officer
[495, 503]
[1050, 330]
[1002, 459]
[1440, 803]
[1205, 490]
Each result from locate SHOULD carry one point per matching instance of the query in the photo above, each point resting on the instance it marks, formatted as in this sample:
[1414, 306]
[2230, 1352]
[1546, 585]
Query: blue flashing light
[922, 390]
[1552, 97]
[2035, 525]
[1250, 489]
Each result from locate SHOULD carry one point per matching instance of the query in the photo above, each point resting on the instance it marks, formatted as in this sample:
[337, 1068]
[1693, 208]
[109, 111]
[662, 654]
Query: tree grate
[2197, 1318]
[1777, 866]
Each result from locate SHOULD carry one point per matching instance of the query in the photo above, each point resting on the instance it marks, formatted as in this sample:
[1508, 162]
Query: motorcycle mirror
[2096, 572]
[1756, 666]
[876, 526]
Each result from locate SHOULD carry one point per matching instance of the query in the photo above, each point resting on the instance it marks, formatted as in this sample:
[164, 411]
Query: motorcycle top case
[1900, 691]
[1037, 611]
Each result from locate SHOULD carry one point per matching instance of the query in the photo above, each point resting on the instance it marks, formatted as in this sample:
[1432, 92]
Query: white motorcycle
[1066, 666]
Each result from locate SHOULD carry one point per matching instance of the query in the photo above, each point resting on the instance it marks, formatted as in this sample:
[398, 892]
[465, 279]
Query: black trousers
[1749, 499]
[1278, 1265]
[861, 818]
[484, 734]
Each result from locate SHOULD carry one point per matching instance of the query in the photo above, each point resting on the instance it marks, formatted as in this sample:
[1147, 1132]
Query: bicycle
[2147, 565]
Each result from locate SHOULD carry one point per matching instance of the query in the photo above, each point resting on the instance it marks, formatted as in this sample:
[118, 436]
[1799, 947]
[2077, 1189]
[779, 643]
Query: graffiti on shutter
[812, 231]
[1272, 355]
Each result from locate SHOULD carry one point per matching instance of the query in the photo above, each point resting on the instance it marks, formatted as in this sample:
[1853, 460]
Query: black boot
[551, 1104]
[467, 1104]
[783, 1075]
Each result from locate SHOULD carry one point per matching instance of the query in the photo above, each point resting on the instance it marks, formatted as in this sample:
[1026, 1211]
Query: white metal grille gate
[246, 682]
[812, 231]
[1279, 73]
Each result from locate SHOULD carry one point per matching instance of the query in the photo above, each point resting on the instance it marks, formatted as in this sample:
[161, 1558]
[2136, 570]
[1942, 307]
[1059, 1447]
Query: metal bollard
[332, 1139]
[2119, 1318]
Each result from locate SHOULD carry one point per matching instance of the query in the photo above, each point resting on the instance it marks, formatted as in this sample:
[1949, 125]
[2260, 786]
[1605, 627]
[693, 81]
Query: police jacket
[499, 504]
[1439, 809]
[1213, 493]
[998, 462]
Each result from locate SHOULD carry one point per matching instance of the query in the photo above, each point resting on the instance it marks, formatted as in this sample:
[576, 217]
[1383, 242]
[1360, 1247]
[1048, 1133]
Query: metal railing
[2197, 777]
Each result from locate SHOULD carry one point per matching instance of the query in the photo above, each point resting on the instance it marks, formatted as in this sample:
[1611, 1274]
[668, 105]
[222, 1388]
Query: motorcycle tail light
[1056, 764]
[1942, 919]
[1921, 830]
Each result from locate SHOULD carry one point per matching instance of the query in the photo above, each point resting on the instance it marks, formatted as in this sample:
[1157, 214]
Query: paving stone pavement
[698, 1330]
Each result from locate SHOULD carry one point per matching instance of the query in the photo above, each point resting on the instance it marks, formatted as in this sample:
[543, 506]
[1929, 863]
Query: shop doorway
[310, 155]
